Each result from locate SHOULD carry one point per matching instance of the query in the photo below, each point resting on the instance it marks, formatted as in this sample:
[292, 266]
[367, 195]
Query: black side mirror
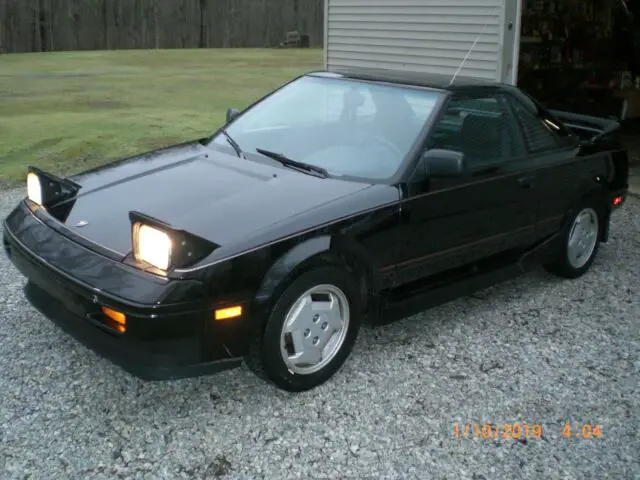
[231, 114]
[439, 163]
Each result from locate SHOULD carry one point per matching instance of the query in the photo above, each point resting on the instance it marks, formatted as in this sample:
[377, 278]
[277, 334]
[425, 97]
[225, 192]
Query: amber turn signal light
[227, 313]
[118, 317]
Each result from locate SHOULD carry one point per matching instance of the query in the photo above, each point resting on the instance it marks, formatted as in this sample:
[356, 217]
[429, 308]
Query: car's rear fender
[600, 194]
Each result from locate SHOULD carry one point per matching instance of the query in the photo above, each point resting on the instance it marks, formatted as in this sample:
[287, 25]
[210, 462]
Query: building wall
[421, 35]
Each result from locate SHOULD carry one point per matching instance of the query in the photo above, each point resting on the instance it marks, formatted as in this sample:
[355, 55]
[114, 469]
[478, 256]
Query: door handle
[526, 181]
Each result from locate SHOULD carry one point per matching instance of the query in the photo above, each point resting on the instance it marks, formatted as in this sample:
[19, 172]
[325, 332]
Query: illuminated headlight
[34, 188]
[158, 245]
[45, 189]
[152, 246]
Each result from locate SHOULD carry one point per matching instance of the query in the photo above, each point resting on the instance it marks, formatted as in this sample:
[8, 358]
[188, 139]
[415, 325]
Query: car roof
[408, 77]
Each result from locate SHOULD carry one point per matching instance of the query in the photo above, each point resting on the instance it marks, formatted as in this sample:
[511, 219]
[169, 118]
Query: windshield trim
[405, 165]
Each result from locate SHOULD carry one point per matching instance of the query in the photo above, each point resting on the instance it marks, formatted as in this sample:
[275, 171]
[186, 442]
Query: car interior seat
[394, 118]
[481, 139]
[352, 99]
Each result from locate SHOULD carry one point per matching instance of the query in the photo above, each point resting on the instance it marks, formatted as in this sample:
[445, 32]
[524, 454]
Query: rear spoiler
[598, 126]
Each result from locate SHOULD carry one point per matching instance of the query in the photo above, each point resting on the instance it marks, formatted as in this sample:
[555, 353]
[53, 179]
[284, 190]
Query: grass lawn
[68, 111]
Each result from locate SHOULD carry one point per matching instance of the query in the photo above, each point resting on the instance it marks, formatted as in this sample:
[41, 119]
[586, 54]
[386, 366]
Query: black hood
[214, 195]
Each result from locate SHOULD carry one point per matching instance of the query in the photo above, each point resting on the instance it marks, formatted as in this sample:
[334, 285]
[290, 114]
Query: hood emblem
[82, 223]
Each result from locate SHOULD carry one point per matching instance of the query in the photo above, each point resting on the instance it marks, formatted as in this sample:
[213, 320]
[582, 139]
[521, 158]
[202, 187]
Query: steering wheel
[380, 140]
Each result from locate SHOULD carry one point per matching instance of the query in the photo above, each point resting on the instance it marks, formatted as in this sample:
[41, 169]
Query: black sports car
[340, 197]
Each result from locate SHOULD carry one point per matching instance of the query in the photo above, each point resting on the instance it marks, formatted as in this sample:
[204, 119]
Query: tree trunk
[42, 25]
[204, 31]
[183, 9]
[266, 18]
[228, 13]
[143, 23]
[156, 23]
[37, 38]
[105, 23]
[49, 25]
[3, 18]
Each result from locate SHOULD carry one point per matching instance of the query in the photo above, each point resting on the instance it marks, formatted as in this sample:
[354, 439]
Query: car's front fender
[315, 252]
[284, 267]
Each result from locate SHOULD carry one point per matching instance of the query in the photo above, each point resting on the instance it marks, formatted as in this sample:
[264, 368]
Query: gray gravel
[533, 350]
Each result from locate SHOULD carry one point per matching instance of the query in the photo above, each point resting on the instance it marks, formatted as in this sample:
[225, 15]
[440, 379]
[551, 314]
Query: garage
[571, 54]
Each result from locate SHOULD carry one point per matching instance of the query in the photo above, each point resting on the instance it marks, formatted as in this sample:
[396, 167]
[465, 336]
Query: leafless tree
[47, 25]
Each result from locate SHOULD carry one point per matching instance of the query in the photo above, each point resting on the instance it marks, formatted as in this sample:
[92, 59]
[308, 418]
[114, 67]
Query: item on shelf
[625, 80]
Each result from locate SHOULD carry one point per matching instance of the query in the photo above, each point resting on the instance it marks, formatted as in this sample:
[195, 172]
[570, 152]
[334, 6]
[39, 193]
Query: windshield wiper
[234, 144]
[306, 167]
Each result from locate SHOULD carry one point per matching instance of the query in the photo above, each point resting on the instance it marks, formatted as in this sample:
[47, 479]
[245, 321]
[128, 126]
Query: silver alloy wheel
[583, 238]
[315, 329]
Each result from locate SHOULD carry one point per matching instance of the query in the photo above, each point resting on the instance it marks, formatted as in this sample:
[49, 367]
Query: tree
[204, 34]
[106, 20]
[47, 25]
[156, 23]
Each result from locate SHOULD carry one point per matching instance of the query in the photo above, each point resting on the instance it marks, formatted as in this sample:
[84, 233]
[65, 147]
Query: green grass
[68, 111]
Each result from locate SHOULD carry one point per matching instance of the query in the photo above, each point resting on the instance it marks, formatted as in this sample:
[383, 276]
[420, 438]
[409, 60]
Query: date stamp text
[524, 431]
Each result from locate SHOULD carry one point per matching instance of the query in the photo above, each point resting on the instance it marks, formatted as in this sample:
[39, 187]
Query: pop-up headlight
[153, 246]
[45, 189]
[34, 188]
[158, 245]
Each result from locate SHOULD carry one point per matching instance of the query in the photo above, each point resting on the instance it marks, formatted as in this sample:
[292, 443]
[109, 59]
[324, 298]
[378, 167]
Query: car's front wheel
[310, 332]
[580, 242]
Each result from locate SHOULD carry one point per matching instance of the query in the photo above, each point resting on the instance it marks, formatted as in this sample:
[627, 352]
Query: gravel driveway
[533, 350]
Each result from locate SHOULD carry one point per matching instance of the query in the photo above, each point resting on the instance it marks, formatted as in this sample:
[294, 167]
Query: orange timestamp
[581, 430]
[503, 431]
[522, 431]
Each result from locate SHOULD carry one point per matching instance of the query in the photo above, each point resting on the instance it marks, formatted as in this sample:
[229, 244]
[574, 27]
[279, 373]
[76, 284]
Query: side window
[479, 127]
[537, 132]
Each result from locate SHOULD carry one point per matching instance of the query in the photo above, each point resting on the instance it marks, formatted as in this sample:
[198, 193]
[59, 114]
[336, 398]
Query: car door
[452, 222]
[554, 150]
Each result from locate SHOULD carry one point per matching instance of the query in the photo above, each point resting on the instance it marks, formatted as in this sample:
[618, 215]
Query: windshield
[349, 128]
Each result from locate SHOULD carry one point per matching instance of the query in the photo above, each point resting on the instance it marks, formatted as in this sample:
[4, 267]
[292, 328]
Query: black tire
[266, 359]
[561, 265]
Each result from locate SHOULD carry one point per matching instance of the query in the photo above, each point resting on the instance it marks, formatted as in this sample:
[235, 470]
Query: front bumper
[166, 359]
[161, 341]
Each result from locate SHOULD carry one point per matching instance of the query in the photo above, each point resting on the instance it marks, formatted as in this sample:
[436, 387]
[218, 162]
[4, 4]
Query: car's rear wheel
[310, 332]
[581, 241]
